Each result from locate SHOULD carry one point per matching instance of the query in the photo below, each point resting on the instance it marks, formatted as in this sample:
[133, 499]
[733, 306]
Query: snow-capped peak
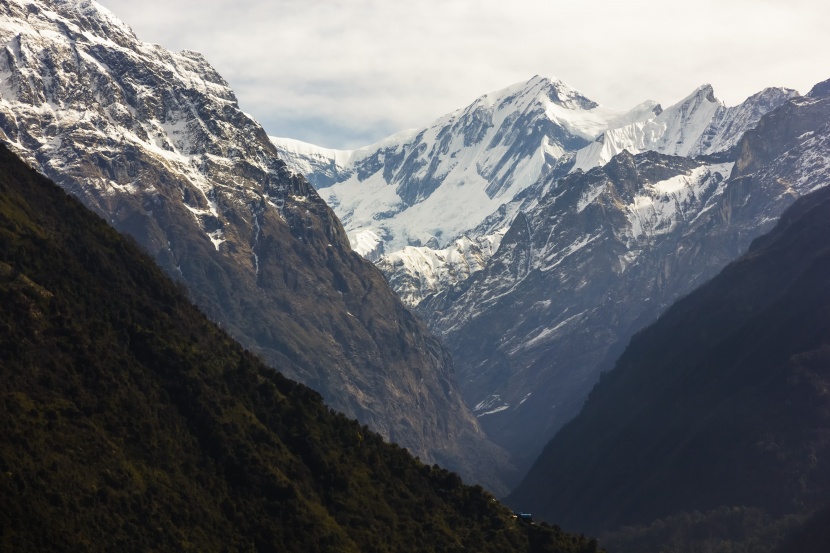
[434, 184]
[563, 105]
[469, 172]
[698, 124]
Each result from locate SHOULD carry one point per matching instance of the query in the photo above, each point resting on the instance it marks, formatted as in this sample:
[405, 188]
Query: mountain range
[155, 142]
[577, 246]
[407, 200]
[428, 186]
[601, 255]
[535, 233]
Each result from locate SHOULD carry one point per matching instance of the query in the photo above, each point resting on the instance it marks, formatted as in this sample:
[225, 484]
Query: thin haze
[343, 74]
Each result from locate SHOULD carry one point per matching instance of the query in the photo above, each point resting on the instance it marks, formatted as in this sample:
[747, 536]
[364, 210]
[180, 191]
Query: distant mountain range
[427, 187]
[155, 142]
[406, 200]
[584, 226]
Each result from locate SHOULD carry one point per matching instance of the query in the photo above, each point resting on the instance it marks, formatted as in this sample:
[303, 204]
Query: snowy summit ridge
[428, 187]
[407, 200]
[700, 124]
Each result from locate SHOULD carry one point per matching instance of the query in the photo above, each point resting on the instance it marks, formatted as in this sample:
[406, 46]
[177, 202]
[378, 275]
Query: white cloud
[344, 73]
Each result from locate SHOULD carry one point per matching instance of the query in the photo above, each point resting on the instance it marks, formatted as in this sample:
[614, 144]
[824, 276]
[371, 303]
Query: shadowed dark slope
[129, 422]
[723, 401]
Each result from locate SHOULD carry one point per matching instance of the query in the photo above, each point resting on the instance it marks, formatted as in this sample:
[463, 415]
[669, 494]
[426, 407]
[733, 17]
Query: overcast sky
[345, 73]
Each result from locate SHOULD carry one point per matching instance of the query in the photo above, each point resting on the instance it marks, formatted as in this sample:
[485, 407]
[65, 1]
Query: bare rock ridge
[155, 142]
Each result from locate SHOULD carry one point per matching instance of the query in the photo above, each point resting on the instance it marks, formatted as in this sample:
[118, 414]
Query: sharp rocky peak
[702, 96]
[87, 15]
[820, 90]
[708, 92]
[535, 89]
[558, 92]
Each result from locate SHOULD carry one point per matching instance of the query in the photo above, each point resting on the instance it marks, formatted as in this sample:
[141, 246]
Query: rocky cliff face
[602, 254]
[155, 142]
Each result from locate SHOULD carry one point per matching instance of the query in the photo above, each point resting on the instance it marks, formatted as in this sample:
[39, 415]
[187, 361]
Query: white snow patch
[524, 399]
[496, 410]
[661, 206]
[365, 242]
[217, 237]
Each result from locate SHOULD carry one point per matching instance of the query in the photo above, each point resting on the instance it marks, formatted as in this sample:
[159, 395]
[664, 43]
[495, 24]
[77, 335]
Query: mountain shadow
[722, 402]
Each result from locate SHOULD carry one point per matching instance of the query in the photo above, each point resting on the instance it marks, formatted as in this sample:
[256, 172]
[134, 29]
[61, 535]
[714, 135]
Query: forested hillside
[129, 422]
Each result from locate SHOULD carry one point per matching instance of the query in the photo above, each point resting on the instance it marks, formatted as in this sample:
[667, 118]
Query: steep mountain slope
[723, 401]
[129, 422]
[428, 186]
[814, 537]
[155, 142]
[601, 255]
